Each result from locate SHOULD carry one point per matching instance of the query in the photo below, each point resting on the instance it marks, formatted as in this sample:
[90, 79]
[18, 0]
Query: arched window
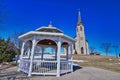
[80, 28]
[82, 50]
[27, 48]
[46, 48]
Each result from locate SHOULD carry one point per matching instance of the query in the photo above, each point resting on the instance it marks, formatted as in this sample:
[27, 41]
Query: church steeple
[79, 18]
[81, 46]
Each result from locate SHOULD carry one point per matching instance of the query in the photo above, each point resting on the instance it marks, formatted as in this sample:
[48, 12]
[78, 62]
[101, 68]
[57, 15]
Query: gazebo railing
[44, 67]
[24, 65]
[65, 66]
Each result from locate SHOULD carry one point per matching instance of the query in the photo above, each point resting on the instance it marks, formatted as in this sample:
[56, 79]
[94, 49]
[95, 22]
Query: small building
[41, 52]
[95, 53]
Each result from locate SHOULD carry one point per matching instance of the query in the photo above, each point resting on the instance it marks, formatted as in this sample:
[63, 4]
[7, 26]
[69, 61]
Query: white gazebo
[46, 51]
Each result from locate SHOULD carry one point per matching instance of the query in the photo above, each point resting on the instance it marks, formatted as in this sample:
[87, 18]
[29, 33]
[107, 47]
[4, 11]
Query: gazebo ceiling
[65, 44]
[47, 42]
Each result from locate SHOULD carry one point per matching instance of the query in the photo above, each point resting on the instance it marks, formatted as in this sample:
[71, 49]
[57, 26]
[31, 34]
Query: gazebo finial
[50, 25]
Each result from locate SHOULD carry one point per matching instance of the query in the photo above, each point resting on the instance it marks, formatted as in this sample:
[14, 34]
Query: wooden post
[22, 50]
[56, 53]
[67, 52]
[71, 57]
[28, 53]
[42, 53]
[58, 57]
[32, 57]
[21, 56]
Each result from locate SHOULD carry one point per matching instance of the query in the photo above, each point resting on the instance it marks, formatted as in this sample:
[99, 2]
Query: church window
[81, 28]
[82, 50]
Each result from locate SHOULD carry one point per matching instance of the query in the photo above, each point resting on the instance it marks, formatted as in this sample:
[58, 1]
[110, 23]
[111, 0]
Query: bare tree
[92, 49]
[106, 46]
[115, 48]
[17, 42]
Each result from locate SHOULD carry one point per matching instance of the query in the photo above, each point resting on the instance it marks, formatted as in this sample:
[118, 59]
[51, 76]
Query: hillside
[109, 63]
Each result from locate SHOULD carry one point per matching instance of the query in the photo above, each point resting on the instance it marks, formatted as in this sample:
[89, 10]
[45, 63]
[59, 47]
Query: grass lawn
[103, 62]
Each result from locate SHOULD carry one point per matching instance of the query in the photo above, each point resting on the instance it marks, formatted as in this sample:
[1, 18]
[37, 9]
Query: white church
[81, 44]
[41, 50]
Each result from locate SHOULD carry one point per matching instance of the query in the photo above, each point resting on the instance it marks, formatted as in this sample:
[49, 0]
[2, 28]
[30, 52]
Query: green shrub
[7, 50]
[1, 58]
[7, 57]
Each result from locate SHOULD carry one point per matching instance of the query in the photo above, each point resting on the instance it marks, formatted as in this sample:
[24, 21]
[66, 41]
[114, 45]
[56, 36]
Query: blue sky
[101, 18]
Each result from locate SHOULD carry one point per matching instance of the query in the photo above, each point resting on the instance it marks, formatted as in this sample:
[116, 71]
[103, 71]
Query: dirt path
[85, 73]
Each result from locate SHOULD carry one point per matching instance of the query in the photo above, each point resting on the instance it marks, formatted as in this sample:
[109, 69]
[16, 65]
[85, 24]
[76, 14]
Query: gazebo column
[42, 53]
[28, 53]
[69, 51]
[66, 48]
[71, 56]
[22, 50]
[21, 56]
[56, 53]
[32, 57]
[58, 57]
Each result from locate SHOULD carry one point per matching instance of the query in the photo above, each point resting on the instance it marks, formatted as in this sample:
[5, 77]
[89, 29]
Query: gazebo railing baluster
[65, 66]
[24, 65]
[44, 67]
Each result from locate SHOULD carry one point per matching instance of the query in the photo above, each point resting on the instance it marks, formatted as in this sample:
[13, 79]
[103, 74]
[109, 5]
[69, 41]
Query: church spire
[79, 17]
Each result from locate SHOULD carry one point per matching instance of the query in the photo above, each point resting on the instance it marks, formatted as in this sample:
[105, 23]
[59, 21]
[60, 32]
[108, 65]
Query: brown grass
[99, 61]
[5, 66]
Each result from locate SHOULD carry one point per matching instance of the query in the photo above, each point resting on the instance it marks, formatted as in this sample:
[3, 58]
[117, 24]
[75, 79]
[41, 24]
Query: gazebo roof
[49, 28]
[46, 31]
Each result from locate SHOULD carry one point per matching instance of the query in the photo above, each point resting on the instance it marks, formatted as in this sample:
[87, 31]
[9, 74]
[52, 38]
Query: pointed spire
[50, 25]
[79, 17]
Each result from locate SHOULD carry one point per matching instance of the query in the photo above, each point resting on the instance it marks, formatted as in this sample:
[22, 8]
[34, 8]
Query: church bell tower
[81, 45]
